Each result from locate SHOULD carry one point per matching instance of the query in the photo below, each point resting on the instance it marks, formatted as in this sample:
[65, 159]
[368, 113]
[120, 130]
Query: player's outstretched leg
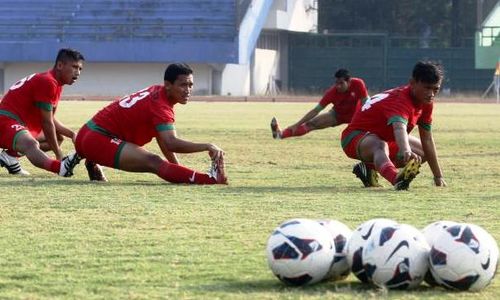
[68, 163]
[95, 171]
[11, 164]
[368, 176]
[275, 129]
[406, 175]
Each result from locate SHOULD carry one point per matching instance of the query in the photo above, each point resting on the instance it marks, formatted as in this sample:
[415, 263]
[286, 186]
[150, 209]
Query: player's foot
[275, 129]
[368, 176]
[68, 163]
[407, 174]
[217, 170]
[95, 171]
[12, 164]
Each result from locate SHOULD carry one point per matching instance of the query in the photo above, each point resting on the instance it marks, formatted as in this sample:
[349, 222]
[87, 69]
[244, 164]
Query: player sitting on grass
[27, 122]
[379, 133]
[115, 135]
[346, 96]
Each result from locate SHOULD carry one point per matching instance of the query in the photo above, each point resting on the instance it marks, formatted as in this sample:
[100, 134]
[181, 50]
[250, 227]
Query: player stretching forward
[378, 133]
[27, 122]
[115, 135]
[347, 95]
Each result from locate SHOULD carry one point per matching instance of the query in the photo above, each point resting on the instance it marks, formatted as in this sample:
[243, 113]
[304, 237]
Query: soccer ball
[397, 257]
[357, 241]
[300, 252]
[431, 232]
[340, 234]
[464, 257]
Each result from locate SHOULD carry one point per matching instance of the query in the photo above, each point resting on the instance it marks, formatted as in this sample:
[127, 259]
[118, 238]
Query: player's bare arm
[49, 130]
[430, 152]
[177, 145]
[64, 131]
[169, 155]
[402, 140]
[311, 114]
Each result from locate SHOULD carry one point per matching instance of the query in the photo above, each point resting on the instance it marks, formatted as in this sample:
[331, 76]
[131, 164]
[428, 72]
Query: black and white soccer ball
[397, 257]
[431, 233]
[340, 235]
[464, 257]
[357, 242]
[300, 252]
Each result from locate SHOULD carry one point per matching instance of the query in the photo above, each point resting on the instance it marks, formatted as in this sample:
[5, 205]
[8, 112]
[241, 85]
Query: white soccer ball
[397, 257]
[300, 252]
[340, 235]
[464, 257]
[357, 241]
[431, 232]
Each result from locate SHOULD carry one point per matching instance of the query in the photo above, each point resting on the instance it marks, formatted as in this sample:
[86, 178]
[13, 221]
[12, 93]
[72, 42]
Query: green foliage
[140, 238]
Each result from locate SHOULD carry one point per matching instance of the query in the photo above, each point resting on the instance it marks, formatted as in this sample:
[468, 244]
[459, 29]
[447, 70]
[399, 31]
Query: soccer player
[115, 135]
[27, 118]
[347, 95]
[378, 134]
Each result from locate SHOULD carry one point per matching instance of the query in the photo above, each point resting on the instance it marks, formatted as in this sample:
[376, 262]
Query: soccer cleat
[368, 176]
[406, 175]
[217, 170]
[275, 129]
[95, 171]
[12, 164]
[68, 163]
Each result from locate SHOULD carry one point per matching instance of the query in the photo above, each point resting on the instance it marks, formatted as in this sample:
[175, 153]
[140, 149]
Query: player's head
[342, 78]
[68, 65]
[178, 80]
[426, 81]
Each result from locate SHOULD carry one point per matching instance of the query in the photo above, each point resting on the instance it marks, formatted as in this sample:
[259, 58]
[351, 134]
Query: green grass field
[137, 237]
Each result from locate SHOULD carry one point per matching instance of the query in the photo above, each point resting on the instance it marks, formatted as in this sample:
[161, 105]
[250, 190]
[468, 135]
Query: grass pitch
[138, 237]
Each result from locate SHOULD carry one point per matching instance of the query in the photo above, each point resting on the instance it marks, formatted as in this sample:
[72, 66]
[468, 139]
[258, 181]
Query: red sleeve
[328, 97]
[360, 88]
[163, 115]
[45, 90]
[426, 117]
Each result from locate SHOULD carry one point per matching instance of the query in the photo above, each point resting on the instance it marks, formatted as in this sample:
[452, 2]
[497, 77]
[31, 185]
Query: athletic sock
[13, 153]
[389, 171]
[301, 130]
[52, 165]
[180, 174]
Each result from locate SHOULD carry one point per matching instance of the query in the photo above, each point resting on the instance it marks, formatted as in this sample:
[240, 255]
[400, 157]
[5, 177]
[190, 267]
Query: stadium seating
[206, 30]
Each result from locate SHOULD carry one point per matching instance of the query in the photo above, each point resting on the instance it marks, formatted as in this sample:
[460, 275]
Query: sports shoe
[68, 163]
[275, 129]
[217, 170]
[406, 175]
[12, 164]
[368, 176]
[95, 171]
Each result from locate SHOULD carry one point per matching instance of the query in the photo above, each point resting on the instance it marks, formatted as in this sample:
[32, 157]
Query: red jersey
[346, 103]
[26, 97]
[139, 117]
[396, 105]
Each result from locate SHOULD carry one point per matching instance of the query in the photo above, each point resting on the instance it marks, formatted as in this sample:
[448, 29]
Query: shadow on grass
[340, 287]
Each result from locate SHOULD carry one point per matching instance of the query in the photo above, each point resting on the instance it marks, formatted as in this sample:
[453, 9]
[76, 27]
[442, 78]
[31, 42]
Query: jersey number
[129, 101]
[373, 100]
[21, 82]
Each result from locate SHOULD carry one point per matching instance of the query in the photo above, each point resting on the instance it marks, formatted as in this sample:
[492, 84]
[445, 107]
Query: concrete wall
[111, 79]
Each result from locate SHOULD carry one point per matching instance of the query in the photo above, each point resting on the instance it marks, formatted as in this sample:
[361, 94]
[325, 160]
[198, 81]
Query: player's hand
[439, 181]
[214, 151]
[59, 154]
[408, 155]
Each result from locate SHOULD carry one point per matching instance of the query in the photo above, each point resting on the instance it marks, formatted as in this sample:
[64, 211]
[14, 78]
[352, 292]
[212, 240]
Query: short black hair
[174, 70]
[428, 72]
[343, 73]
[66, 54]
